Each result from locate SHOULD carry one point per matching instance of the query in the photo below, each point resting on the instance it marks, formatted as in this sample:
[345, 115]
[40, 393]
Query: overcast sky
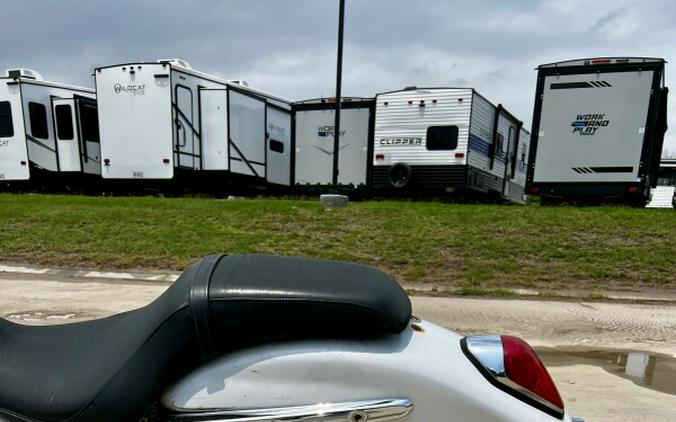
[288, 46]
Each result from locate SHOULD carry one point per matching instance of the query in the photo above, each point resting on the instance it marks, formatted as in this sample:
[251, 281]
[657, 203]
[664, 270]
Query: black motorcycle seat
[113, 369]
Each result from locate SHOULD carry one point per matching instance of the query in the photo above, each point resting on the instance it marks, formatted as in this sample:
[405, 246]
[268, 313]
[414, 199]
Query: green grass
[489, 246]
[482, 291]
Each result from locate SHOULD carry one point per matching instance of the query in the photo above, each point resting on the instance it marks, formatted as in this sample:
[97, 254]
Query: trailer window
[442, 138]
[64, 122]
[276, 146]
[89, 122]
[37, 113]
[6, 125]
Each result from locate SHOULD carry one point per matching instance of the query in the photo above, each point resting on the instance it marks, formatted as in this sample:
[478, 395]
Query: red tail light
[459, 155]
[534, 190]
[523, 366]
[380, 157]
[632, 189]
[512, 365]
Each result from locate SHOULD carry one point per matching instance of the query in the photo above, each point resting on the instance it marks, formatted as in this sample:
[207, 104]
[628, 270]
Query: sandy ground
[591, 391]
[650, 328]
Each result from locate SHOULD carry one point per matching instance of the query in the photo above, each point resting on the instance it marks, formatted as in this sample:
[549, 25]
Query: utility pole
[339, 77]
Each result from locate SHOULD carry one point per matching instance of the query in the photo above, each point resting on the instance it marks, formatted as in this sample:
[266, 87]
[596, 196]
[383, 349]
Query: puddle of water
[656, 372]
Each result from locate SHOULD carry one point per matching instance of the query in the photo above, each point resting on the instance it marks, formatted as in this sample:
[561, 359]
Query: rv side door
[214, 123]
[278, 169]
[186, 127]
[68, 149]
[88, 128]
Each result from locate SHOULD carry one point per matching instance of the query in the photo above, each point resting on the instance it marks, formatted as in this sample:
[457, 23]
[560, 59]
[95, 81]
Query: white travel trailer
[160, 118]
[450, 139]
[313, 142]
[598, 129]
[46, 126]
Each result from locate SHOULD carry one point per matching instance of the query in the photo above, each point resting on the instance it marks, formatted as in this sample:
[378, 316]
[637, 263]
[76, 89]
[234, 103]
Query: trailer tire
[400, 175]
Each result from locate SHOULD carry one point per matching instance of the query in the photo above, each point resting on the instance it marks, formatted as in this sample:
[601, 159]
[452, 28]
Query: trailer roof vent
[240, 82]
[24, 73]
[176, 62]
[411, 88]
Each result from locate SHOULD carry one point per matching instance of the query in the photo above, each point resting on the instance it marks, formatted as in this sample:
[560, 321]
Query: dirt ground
[591, 386]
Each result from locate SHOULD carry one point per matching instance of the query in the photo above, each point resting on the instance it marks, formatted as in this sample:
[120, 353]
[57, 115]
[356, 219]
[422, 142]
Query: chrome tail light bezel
[487, 354]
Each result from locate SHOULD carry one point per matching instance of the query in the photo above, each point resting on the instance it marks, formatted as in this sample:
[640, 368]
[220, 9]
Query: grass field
[470, 246]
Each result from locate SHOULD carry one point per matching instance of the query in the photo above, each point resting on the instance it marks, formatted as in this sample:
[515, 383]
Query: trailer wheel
[400, 175]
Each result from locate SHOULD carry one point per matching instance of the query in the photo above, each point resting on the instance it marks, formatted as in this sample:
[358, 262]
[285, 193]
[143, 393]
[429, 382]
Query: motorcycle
[270, 338]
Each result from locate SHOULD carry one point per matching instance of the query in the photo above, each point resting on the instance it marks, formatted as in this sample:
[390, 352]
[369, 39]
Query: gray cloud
[607, 22]
[288, 46]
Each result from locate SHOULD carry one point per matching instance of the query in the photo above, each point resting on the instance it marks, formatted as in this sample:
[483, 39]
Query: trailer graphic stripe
[604, 169]
[327, 152]
[584, 84]
[611, 169]
[43, 145]
[248, 164]
[258, 163]
[187, 121]
[571, 85]
[479, 145]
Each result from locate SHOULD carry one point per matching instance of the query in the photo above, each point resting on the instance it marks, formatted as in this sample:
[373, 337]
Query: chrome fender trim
[358, 411]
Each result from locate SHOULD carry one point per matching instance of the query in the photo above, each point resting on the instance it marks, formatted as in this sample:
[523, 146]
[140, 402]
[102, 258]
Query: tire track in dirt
[559, 324]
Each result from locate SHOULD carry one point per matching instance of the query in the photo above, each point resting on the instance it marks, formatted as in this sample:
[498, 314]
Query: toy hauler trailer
[313, 143]
[448, 139]
[161, 118]
[46, 126]
[598, 129]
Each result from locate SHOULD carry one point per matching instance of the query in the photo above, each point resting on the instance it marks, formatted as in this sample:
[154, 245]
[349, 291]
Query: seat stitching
[199, 303]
